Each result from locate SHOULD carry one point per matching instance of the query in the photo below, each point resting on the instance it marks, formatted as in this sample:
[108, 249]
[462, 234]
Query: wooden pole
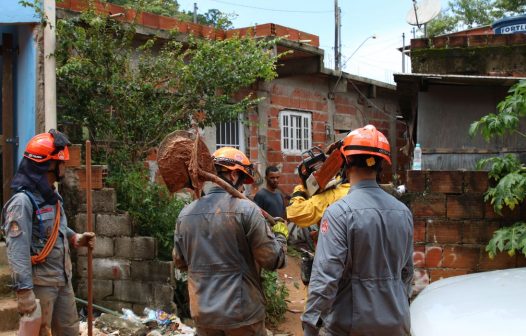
[89, 228]
[233, 191]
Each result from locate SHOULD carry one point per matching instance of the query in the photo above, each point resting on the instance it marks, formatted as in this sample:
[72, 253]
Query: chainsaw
[317, 171]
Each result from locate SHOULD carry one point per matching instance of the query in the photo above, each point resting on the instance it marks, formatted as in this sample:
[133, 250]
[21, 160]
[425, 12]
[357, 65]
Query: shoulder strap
[36, 210]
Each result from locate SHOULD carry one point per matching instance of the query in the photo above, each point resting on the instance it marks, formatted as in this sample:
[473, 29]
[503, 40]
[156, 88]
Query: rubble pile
[155, 323]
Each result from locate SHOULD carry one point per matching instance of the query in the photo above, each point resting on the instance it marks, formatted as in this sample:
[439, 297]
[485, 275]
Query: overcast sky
[377, 58]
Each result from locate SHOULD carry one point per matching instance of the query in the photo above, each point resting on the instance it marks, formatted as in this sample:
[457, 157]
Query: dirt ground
[296, 301]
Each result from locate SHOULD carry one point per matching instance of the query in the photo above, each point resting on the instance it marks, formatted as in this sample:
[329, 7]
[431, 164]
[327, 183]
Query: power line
[272, 9]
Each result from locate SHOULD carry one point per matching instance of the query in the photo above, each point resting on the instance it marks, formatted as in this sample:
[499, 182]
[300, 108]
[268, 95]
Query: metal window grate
[230, 134]
[296, 131]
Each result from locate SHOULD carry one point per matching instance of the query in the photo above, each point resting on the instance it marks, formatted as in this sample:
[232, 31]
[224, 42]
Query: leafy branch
[508, 172]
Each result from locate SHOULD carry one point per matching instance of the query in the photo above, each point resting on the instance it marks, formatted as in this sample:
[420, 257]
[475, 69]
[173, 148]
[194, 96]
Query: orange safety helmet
[42, 147]
[366, 140]
[234, 159]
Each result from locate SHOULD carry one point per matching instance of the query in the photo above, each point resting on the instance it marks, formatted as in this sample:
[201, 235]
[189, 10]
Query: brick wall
[493, 55]
[332, 118]
[453, 224]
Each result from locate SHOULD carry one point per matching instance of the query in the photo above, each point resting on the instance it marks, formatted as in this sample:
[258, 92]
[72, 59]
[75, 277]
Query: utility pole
[195, 12]
[337, 37]
[403, 52]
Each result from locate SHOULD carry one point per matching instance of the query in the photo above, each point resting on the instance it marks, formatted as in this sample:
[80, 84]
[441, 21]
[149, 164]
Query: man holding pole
[38, 238]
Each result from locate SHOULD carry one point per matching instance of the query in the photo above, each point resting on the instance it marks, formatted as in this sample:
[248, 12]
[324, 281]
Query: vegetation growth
[507, 172]
[127, 97]
[213, 17]
[467, 14]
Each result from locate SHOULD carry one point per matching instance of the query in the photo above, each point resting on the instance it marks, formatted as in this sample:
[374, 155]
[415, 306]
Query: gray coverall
[50, 280]
[363, 268]
[223, 242]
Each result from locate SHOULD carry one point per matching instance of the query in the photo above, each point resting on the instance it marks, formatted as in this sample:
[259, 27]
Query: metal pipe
[50, 86]
[89, 228]
[102, 309]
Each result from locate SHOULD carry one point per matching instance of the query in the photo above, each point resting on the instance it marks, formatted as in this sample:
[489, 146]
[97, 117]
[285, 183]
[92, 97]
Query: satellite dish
[423, 12]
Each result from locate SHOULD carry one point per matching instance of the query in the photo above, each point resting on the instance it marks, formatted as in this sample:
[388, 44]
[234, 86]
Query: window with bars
[296, 131]
[230, 134]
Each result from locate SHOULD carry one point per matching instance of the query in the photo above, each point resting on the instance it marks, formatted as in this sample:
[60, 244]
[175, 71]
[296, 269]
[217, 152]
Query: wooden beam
[7, 116]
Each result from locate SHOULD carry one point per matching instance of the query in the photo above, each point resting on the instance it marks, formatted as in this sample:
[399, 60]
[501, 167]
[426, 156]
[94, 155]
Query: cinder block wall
[126, 272]
[453, 225]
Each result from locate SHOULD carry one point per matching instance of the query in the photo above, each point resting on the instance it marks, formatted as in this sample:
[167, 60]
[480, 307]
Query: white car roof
[481, 304]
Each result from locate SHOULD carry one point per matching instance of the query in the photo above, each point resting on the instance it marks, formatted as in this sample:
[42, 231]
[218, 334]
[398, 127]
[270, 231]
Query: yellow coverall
[305, 212]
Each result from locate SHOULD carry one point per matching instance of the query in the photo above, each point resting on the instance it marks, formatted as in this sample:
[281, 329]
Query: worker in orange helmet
[223, 242]
[38, 238]
[363, 267]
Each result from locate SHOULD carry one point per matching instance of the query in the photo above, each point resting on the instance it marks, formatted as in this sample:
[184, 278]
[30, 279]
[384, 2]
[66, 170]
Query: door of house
[7, 141]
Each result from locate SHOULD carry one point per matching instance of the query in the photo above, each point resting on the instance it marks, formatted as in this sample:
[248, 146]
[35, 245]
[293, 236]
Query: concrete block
[158, 271]
[113, 225]
[113, 269]
[133, 291]
[80, 221]
[163, 297]
[103, 248]
[103, 200]
[101, 289]
[104, 268]
[136, 248]
[81, 267]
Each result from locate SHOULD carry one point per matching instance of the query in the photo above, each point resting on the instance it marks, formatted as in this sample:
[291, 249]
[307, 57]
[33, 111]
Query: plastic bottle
[417, 158]
[30, 323]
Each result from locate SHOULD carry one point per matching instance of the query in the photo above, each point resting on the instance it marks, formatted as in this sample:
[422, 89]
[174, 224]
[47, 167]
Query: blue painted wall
[12, 12]
[25, 87]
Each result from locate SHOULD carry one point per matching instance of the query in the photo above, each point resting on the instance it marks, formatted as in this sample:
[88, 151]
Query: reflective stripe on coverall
[224, 242]
[363, 268]
[53, 275]
[306, 212]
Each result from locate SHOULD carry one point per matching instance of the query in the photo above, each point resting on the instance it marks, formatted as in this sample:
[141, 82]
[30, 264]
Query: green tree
[216, 18]
[213, 17]
[465, 14]
[160, 7]
[508, 173]
[130, 97]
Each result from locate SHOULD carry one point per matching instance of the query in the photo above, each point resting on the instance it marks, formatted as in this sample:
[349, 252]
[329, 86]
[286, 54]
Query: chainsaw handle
[233, 191]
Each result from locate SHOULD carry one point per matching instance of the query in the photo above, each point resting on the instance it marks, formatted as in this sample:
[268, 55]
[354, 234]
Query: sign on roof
[510, 25]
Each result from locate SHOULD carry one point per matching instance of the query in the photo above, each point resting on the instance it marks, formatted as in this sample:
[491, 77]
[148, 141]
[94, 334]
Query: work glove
[300, 191]
[309, 330]
[85, 239]
[26, 301]
[281, 227]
